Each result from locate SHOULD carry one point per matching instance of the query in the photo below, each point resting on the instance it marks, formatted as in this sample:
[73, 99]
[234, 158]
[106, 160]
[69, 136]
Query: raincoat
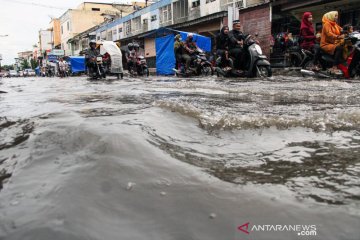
[331, 30]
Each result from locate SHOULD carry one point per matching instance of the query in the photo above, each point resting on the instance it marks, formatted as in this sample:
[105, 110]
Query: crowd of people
[228, 43]
[329, 38]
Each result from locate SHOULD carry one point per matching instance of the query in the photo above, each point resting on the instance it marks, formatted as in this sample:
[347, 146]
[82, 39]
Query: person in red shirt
[308, 38]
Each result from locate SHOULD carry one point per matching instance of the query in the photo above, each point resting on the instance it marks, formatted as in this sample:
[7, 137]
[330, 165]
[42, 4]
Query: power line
[35, 4]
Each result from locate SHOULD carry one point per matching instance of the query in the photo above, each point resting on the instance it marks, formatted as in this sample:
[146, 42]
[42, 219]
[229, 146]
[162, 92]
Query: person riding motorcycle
[90, 56]
[189, 50]
[222, 41]
[308, 38]
[178, 49]
[130, 56]
[330, 39]
[62, 67]
[236, 41]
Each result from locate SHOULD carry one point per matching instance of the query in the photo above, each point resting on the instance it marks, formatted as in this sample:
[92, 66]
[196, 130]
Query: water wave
[334, 121]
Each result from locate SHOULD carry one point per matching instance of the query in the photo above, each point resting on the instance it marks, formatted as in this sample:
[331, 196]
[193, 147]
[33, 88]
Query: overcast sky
[22, 19]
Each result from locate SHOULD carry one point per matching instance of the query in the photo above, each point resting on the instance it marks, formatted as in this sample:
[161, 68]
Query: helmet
[190, 35]
[130, 46]
[136, 46]
[92, 42]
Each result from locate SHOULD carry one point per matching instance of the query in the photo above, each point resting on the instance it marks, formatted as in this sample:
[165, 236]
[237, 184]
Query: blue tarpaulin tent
[77, 64]
[165, 56]
[164, 45]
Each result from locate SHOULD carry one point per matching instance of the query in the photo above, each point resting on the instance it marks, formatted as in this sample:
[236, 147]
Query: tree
[25, 64]
[33, 63]
[8, 67]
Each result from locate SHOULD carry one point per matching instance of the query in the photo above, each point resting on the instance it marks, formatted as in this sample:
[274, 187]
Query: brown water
[169, 158]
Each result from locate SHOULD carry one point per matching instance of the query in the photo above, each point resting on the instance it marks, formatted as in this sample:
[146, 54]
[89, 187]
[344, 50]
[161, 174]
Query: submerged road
[167, 158]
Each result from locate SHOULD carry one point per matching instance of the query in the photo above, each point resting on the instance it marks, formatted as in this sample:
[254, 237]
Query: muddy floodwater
[179, 159]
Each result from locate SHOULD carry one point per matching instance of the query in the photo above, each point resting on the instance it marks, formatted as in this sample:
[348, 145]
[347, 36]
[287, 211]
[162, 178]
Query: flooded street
[167, 158]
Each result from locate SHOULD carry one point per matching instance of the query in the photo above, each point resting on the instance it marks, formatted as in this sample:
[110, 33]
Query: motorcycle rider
[90, 57]
[236, 41]
[130, 56]
[330, 39]
[308, 38]
[178, 49]
[62, 67]
[189, 50]
[222, 41]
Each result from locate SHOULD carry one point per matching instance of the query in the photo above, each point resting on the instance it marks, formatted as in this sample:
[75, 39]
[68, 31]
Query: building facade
[55, 33]
[45, 41]
[85, 16]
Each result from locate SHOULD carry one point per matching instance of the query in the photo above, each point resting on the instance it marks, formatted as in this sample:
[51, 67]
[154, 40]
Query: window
[181, 9]
[145, 21]
[95, 9]
[114, 32]
[165, 14]
[103, 35]
[98, 38]
[209, 1]
[128, 27]
[120, 30]
[68, 26]
[153, 18]
[195, 3]
[136, 24]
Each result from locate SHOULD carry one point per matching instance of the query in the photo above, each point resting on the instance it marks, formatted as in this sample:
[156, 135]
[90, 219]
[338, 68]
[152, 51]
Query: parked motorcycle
[199, 65]
[349, 68]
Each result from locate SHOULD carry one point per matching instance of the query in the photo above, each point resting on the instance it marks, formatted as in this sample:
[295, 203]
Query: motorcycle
[63, 71]
[349, 68]
[298, 57]
[139, 66]
[199, 65]
[257, 63]
[50, 71]
[97, 72]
